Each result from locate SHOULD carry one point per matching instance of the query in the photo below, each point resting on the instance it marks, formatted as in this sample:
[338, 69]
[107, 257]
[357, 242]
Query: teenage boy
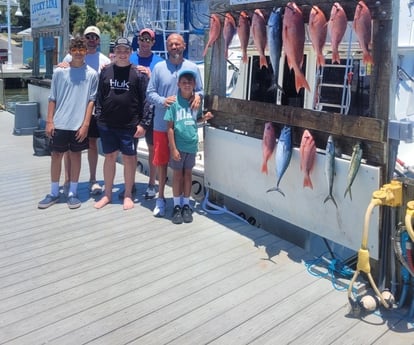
[71, 101]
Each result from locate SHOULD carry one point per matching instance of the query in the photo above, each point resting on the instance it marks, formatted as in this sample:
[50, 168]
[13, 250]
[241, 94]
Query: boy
[183, 142]
[71, 101]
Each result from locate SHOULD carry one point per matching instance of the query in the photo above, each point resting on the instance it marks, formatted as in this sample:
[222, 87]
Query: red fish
[362, 27]
[318, 29]
[268, 144]
[293, 36]
[215, 27]
[229, 30]
[243, 31]
[259, 35]
[337, 27]
[307, 152]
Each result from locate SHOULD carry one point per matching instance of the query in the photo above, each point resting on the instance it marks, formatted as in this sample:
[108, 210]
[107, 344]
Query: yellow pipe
[408, 219]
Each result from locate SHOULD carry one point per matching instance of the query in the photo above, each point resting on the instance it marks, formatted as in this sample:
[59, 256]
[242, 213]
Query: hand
[50, 129]
[175, 154]
[195, 101]
[169, 100]
[207, 116]
[140, 132]
[63, 64]
[144, 70]
[82, 133]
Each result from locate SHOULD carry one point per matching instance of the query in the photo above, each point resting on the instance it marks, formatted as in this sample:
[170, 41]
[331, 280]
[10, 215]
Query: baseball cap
[92, 30]
[122, 41]
[147, 31]
[187, 72]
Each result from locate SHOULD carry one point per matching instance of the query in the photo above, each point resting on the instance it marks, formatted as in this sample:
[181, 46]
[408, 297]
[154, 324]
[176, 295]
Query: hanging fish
[215, 27]
[243, 31]
[268, 144]
[283, 155]
[337, 27]
[274, 43]
[229, 30]
[353, 167]
[293, 36]
[330, 168]
[259, 35]
[362, 26]
[307, 152]
[318, 29]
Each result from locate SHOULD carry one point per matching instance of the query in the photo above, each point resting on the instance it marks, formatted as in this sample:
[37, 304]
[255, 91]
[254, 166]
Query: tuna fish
[283, 156]
[274, 43]
[215, 27]
[293, 36]
[243, 31]
[229, 30]
[259, 35]
[353, 167]
[337, 27]
[330, 168]
[318, 29]
[362, 27]
[268, 144]
[307, 152]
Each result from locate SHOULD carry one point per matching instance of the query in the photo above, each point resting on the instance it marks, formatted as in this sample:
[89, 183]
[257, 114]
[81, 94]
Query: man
[71, 101]
[145, 59]
[119, 110]
[96, 60]
[162, 90]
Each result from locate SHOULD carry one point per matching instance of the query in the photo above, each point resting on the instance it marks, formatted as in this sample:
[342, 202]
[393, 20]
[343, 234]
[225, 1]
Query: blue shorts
[187, 161]
[118, 139]
[64, 140]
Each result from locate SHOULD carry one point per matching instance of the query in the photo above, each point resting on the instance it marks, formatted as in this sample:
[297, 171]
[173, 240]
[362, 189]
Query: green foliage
[91, 13]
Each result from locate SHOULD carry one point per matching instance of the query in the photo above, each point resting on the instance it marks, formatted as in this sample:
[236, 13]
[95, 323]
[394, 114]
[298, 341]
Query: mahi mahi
[330, 168]
[353, 167]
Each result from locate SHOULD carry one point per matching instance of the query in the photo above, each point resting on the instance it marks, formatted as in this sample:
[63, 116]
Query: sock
[73, 188]
[177, 201]
[186, 201]
[54, 189]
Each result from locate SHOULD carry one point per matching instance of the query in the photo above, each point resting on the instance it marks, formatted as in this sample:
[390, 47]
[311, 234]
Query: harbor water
[13, 96]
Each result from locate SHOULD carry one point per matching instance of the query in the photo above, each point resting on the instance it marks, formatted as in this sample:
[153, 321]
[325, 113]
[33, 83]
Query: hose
[215, 209]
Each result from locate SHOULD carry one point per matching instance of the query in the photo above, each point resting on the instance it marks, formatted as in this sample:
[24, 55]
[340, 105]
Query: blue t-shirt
[149, 61]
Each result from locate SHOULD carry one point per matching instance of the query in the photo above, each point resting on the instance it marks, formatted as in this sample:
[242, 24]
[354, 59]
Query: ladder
[327, 89]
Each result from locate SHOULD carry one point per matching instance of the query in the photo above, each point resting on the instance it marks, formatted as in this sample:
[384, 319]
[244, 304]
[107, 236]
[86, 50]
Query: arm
[50, 127]
[143, 111]
[82, 132]
[175, 154]
[207, 116]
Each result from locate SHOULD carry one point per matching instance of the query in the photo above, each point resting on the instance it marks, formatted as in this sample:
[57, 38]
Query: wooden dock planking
[114, 277]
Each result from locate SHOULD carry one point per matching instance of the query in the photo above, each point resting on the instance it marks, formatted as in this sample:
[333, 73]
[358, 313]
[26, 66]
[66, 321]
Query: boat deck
[110, 276]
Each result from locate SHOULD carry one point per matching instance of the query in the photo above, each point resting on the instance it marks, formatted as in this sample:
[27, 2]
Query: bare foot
[128, 203]
[101, 203]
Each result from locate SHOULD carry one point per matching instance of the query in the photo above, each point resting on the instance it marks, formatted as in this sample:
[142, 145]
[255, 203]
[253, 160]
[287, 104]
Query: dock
[110, 276]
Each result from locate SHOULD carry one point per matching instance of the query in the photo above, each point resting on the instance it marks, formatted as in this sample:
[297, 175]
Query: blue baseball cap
[187, 72]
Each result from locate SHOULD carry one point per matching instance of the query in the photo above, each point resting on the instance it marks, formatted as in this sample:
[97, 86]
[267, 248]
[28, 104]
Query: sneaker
[159, 210]
[94, 188]
[187, 214]
[121, 194]
[48, 201]
[73, 202]
[150, 192]
[177, 218]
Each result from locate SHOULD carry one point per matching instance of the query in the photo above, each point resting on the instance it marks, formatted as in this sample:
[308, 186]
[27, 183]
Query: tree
[91, 13]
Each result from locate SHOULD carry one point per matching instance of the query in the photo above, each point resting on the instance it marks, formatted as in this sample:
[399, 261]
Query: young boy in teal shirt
[183, 142]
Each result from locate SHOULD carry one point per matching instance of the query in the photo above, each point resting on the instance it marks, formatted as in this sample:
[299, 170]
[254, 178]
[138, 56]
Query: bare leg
[177, 182]
[66, 161]
[162, 176]
[187, 183]
[152, 168]
[93, 158]
[109, 169]
[130, 163]
[75, 165]
[56, 166]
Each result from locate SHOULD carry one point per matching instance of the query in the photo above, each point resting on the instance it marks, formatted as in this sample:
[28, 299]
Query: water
[13, 96]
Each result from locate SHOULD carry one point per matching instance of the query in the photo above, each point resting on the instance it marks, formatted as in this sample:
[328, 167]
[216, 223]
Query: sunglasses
[92, 37]
[78, 50]
[143, 39]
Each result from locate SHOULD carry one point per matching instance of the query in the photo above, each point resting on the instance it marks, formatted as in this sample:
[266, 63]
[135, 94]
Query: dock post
[2, 98]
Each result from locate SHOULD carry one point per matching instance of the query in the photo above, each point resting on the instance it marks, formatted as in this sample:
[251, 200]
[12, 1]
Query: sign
[45, 13]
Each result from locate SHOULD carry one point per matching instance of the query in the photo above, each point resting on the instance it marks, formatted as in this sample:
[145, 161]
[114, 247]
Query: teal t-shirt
[185, 124]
